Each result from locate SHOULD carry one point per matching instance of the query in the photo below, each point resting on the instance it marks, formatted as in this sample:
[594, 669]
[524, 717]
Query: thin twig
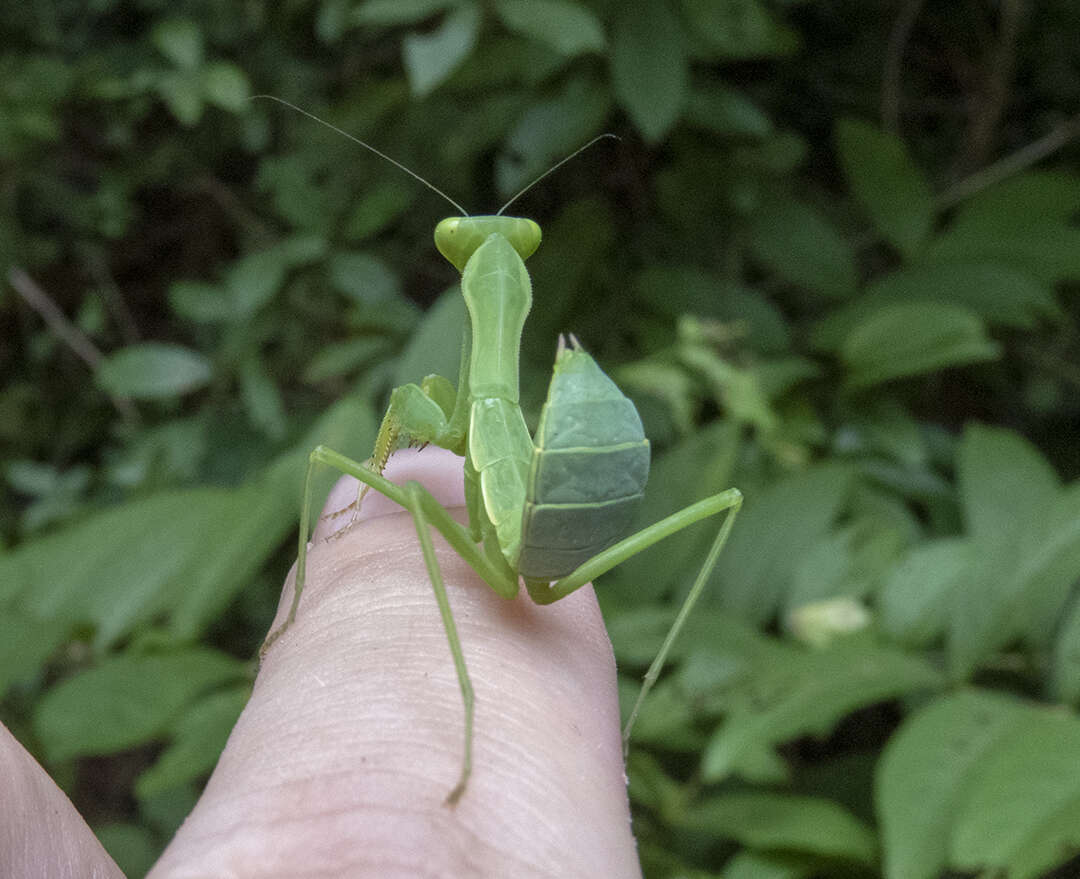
[1021, 160]
[66, 331]
[894, 59]
[114, 299]
[1002, 63]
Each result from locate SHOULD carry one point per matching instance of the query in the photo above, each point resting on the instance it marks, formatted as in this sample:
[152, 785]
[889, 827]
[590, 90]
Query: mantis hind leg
[726, 501]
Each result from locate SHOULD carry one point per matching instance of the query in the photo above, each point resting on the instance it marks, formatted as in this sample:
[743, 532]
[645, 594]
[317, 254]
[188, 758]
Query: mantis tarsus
[551, 510]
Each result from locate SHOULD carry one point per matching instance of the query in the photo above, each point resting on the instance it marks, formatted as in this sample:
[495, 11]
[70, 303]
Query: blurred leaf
[262, 398]
[776, 822]
[378, 206]
[1027, 538]
[153, 370]
[809, 692]
[183, 92]
[254, 279]
[182, 553]
[198, 302]
[887, 183]
[548, 131]
[126, 700]
[897, 341]
[1065, 673]
[999, 294]
[1026, 222]
[803, 247]
[649, 70]
[756, 865]
[926, 770]
[179, 40]
[726, 111]
[26, 642]
[567, 27]
[739, 29]
[226, 86]
[395, 12]
[340, 358]
[198, 738]
[677, 290]
[430, 58]
[1021, 810]
[363, 277]
[913, 604]
[435, 346]
[132, 846]
[775, 529]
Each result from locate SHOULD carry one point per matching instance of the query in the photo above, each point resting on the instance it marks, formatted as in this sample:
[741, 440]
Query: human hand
[341, 761]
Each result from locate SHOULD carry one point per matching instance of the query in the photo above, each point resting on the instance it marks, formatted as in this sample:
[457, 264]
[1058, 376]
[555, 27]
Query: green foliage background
[834, 258]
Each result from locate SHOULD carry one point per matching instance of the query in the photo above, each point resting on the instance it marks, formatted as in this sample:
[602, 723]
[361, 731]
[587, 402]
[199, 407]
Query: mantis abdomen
[590, 463]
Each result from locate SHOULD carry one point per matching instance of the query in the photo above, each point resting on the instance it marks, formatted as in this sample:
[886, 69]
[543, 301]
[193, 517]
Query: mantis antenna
[555, 167]
[380, 154]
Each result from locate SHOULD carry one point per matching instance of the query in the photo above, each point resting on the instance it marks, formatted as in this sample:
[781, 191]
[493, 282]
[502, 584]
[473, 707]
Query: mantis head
[458, 237]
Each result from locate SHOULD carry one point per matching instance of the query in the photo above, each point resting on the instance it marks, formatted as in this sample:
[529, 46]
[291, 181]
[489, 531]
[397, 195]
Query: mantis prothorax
[552, 511]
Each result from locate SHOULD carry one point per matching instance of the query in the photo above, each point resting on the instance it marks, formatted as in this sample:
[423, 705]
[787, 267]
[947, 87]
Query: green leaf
[1027, 538]
[776, 822]
[183, 92]
[201, 303]
[1026, 222]
[898, 341]
[726, 111]
[126, 700]
[798, 243]
[435, 345]
[569, 28]
[430, 58]
[181, 554]
[1000, 294]
[152, 371]
[775, 529]
[1065, 673]
[254, 279]
[887, 183]
[677, 290]
[363, 277]
[378, 206]
[396, 12]
[1005, 484]
[134, 847]
[226, 86]
[739, 29]
[340, 358]
[808, 692]
[179, 40]
[549, 131]
[26, 643]
[914, 603]
[198, 738]
[649, 68]
[1020, 811]
[261, 398]
[924, 773]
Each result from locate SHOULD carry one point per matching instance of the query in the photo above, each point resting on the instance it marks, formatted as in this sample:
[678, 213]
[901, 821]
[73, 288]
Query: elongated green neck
[458, 237]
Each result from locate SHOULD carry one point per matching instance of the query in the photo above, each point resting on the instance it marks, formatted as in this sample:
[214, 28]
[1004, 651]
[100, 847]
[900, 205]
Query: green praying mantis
[551, 510]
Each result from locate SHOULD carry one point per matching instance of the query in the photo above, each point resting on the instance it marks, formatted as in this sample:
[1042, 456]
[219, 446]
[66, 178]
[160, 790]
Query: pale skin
[340, 763]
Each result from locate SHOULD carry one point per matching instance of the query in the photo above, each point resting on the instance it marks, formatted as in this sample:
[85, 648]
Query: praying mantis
[552, 510]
